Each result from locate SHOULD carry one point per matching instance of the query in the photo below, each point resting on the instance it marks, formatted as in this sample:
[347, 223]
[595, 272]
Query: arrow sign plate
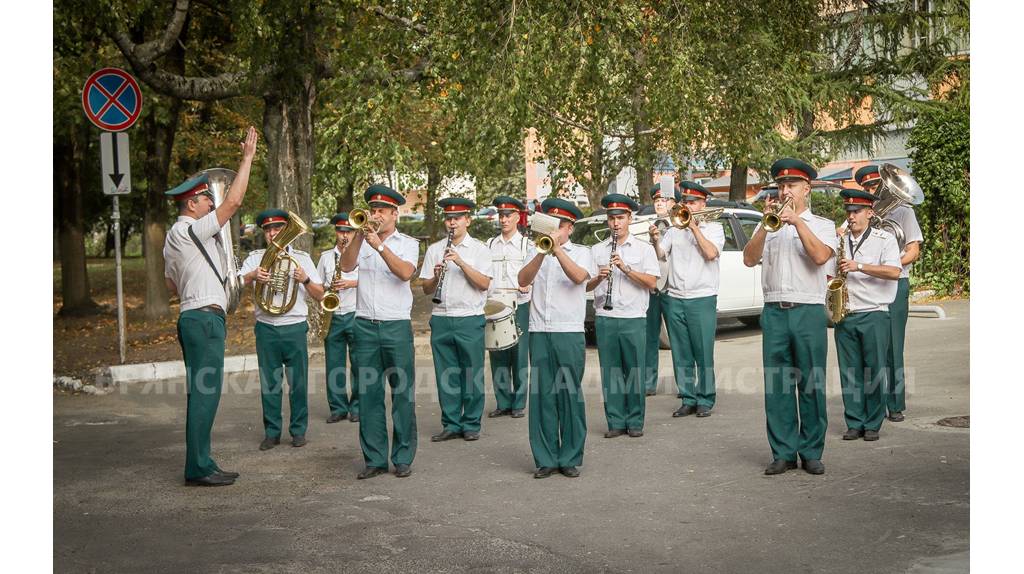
[117, 174]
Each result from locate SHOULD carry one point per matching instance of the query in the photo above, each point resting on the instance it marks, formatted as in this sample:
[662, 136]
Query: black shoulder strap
[199, 244]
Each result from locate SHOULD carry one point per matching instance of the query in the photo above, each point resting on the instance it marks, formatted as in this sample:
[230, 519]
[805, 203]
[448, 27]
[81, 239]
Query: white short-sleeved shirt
[381, 295]
[186, 267]
[787, 272]
[459, 298]
[559, 305]
[905, 216]
[299, 311]
[869, 293]
[691, 276]
[629, 300]
[507, 258]
[328, 263]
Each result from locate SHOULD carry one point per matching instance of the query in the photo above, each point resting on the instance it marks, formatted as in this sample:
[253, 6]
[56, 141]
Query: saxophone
[331, 300]
[837, 299]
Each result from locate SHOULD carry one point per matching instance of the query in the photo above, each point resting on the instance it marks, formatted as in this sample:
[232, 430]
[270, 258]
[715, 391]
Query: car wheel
[751, 321]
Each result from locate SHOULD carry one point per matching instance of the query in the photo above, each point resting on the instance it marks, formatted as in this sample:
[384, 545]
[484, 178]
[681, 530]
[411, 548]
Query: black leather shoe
[612, 433]
[570, 471]
[370, 472]
[780, 466]
[853, 434]
[703, 412]
[896, 417]
[517, 413]
[499, 413]
[211, 480]
[270, 442]
[352, 417]
[445, 435]
[470, 435]
[402, 470]
[227, 473]
[544, 472]
[299, 440]
[814, 467]
[336, 418]
[650, 393]
[870, 435]
[635, 433]
[685, 411]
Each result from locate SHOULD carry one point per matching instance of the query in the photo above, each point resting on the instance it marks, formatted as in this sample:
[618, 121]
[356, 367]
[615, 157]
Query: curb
[156, 371]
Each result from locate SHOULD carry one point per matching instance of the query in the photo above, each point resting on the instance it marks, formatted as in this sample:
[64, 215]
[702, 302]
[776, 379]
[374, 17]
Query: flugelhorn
[280, 264]
[771, 220]
[360, 219]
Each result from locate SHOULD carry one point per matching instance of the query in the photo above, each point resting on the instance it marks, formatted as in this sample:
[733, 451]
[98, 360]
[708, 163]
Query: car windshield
[589, 232]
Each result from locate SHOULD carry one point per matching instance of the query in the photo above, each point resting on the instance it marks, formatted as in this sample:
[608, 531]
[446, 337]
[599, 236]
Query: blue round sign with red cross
[111, 99]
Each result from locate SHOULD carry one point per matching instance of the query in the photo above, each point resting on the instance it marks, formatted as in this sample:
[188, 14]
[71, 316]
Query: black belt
[785, 304]
[370, 321]
[216, 310]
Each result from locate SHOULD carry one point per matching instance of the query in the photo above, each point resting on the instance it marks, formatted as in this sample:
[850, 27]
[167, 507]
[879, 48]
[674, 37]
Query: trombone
[360, 219]
[681, 217]
[771, 220]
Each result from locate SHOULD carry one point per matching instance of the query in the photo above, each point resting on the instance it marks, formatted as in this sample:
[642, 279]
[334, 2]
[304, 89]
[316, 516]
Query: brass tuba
[280, 265]
[897, 188]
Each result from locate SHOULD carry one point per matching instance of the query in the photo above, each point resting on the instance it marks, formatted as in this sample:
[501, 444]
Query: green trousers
[794, 351]
[862, 343]
[201, 336]
[510, 368]
[895, 391]
[558, 417]
[383, 355]
[457, 344]
[691, 327]
[281, 352]
[620, 349]
[337, 347]
[654, 314]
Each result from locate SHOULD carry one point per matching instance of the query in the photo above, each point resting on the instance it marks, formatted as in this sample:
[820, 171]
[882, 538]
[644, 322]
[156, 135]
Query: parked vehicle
[739, 296]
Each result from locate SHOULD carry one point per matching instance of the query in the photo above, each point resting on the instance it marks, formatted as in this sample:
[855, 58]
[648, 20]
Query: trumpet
[680, 216]
[361, 220]
[771, 220]
[544, 243]
[542, 228]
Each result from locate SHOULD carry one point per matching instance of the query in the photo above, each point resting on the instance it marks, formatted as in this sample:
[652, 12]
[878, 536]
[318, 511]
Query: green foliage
[942, 166]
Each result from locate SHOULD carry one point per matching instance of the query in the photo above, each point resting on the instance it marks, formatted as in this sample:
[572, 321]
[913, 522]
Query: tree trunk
[429, 211]
[738, 181]
[67, 174]
[592, 185]
[291, 154]
[346, 201]
[160, 131]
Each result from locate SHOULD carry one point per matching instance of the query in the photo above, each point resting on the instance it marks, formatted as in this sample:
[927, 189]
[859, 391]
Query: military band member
[690, 303]
[558, 421]
[621, 330]
[338, 344]
[795, 339]
[281, 339]
[194, 267]
[510, 367]
[457, 321]
[895, 393]
[871, 265]
[663, 204]
[382, 354]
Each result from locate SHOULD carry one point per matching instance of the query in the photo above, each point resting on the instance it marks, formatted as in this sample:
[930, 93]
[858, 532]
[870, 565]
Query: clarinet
[608, 294]
[444, 267]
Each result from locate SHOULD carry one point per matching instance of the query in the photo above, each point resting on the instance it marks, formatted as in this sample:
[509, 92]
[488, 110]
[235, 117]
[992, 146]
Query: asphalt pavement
[690, 495]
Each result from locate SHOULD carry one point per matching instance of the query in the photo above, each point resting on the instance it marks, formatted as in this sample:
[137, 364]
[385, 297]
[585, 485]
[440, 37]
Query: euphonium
[771, 220]
[280, 265]
[837, 298]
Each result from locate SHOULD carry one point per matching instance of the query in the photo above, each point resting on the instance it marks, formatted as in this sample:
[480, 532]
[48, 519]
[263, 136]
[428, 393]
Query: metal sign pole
[120, 293]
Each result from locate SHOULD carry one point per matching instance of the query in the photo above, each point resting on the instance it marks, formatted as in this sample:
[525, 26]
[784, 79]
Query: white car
[739, 295]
